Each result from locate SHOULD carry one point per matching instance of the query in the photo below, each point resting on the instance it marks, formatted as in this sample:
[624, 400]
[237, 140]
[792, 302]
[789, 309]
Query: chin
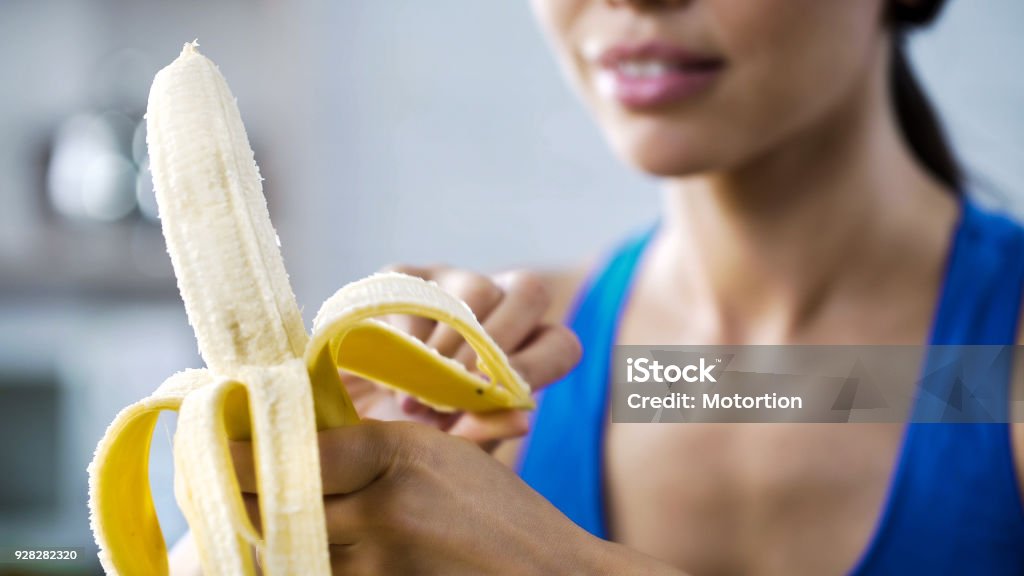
[674, 154]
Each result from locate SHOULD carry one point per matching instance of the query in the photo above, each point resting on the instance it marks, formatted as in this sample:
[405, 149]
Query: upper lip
[615, 55]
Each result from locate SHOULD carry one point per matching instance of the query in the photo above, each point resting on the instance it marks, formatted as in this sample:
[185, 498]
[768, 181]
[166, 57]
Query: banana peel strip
[358, 344]
[213, 506]
[122, 514]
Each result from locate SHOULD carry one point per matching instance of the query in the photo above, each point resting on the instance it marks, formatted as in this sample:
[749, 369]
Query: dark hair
[917, 120]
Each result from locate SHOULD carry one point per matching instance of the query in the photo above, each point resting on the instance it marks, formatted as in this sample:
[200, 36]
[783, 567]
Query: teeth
[644, 68]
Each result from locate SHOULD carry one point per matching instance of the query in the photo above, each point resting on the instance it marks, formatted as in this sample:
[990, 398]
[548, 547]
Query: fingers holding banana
[513, 308]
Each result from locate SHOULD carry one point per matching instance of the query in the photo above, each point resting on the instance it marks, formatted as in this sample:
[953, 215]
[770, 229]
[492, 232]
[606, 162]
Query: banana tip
[190, 47]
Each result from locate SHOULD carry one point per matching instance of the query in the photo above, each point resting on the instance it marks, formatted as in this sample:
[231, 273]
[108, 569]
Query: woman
[809, 198]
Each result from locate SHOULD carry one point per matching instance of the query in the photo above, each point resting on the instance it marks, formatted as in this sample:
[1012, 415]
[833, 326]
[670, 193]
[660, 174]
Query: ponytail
[915, 115]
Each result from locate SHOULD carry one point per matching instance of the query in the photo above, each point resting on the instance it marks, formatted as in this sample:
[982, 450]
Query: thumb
[353, 457]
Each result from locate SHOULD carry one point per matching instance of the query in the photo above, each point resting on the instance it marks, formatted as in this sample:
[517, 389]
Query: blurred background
[399, 131]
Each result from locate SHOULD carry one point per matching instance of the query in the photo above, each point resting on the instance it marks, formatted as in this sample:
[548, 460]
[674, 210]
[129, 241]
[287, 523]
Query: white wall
[970, 64]
[424, 131]
[448, 136]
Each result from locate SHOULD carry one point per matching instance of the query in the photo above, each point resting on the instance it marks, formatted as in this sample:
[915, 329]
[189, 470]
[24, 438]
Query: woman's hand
[514, 308]
[511, 307]
[402, 498]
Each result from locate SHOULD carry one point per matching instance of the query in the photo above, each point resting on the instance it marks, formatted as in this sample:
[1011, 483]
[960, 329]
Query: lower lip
[649, 92]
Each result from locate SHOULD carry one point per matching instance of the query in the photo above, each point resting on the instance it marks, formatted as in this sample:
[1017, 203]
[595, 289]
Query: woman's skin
[793, 212]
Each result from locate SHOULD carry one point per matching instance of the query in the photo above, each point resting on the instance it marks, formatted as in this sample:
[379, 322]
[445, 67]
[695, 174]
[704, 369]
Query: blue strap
[954, 504]
[980, 302]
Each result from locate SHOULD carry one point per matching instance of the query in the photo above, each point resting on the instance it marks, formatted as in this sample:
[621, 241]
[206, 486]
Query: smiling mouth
[653, 74]
[652, 68]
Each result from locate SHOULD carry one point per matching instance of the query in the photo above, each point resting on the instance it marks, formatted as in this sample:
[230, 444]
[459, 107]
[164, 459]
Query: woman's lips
[653, 74]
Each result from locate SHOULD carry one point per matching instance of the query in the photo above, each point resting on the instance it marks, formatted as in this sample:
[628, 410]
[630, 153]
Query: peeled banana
[265, 378]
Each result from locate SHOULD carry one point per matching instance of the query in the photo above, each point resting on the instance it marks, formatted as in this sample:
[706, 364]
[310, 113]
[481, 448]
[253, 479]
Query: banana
[265, 379]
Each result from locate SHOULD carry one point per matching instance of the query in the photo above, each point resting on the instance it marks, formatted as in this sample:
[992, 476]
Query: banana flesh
[265, 379]
[215, 220]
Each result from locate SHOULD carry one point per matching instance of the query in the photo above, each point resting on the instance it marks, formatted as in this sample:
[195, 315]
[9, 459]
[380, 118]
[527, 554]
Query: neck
[761, 248]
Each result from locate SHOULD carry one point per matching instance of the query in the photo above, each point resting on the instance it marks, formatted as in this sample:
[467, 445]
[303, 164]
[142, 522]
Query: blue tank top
[953, 504]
